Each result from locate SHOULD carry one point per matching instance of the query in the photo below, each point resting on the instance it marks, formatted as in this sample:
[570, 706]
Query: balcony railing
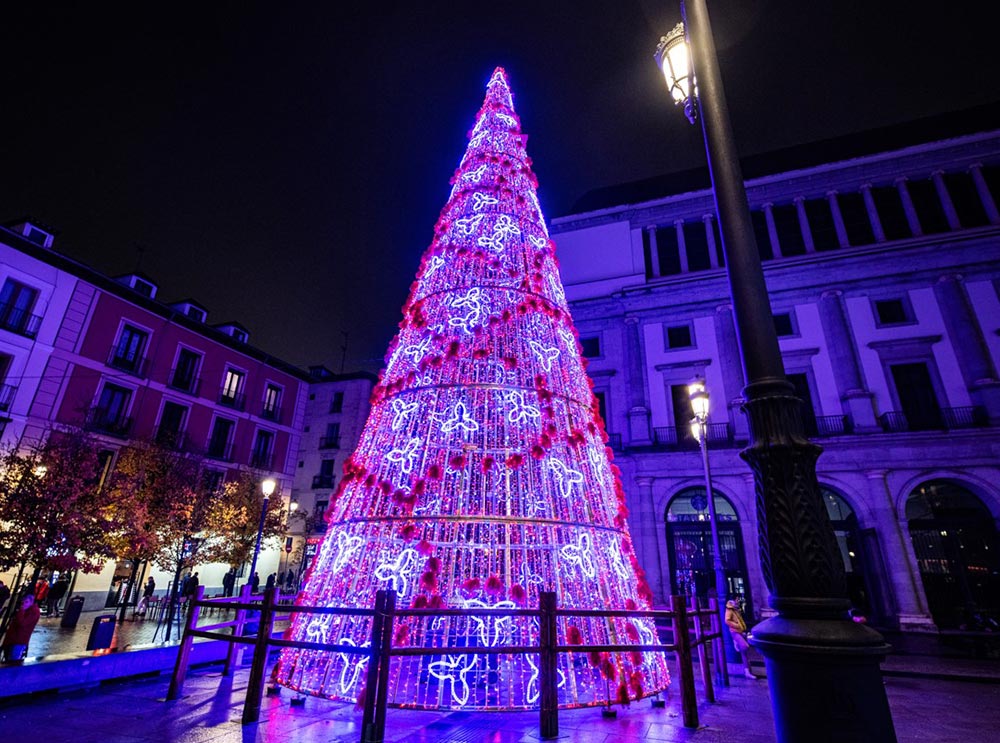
[615, 441]
[136, 366]
[329, 442]
[236, 401]
[261, 459]
[182, 383]
[19, 321]
[105, 421]
[272, 413]
[947, 419]
[176, 440]
[221, 451]
[829, 425]
[322, 481]
[7, 392]
[675, 437]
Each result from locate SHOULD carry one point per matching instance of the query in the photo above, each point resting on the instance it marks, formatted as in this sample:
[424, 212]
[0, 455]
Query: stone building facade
[883, 270]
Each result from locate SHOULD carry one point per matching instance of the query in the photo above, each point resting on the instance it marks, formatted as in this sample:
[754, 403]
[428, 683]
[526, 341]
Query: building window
[332, 438]
[602, 406]
[591, 346]
[272, 402]
[232, 389]
[127, 353]
[337, 403]
[7, 391]
[783, 324]
[678, 336]
[170, 431]
[319, 516]
[892, 311]
[109, 416]
[212, 480]
[16, 303]
[184, 377]
[324, 480]
[263, 447]
[220, 442]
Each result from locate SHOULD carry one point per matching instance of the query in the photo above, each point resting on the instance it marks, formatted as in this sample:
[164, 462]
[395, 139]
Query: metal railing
[829, 425]
[680, 437]
[329, 442]
[947, 419]
[103, 421]
[222, 452]
[134, 364]
[261, 459]
[182, 383]
[322, 481]
[690, 636]
[236, 401]
[19, 321]
[271, 413]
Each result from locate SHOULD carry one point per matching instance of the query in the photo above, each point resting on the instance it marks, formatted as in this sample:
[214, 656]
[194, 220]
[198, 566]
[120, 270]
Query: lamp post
[822, 668]
[698, 394]
[266, 487]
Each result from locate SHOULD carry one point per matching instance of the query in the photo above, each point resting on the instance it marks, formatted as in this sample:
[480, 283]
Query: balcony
[329, 442]
[675, 437]
[272, 413]
[828, 425]
[222, 451]
[234, 400]
[19, 321]
[261, 459]
[136, 366]
[7, 392]
[322, 482]
[947, 419]
[109, 422]
[176, 440]
[178, 381]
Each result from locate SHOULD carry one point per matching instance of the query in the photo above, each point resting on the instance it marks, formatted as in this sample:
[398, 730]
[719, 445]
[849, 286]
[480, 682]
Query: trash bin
[71, 614]
[102, 633]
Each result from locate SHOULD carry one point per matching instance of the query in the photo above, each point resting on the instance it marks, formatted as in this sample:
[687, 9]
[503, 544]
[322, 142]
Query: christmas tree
[481, 477]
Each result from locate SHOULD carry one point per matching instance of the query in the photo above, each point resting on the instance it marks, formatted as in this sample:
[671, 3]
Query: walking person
[147, 594]
[738, 629]
[4, 594]
[228, 583]
[41, 591]
[255, 583]
[15, 642]
[56, 593]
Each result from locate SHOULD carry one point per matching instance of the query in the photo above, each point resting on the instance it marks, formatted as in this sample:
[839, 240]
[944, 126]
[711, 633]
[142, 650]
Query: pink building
[107, 355]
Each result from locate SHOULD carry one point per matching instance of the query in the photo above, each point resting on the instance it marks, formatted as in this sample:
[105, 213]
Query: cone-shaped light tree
[481, 477]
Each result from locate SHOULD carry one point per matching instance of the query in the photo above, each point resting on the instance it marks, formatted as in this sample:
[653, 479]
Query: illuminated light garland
[481, 477]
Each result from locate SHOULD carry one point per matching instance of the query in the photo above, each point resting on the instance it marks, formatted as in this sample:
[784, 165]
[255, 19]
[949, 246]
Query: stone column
[682, 253]
[838, 220]
[732, 370]
[654, 254]
[713, 254]
[858, 401]
[651, 533]
[807, 235]
[772, 230]
[873, 218]
[989, 205]
[945, 198]
[911, 211]
[638, 414]
[966, 336]
[900, 560]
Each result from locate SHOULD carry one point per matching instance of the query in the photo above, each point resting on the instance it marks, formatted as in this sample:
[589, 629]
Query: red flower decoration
[433, 564]
[509, 363]
[420, 602]
[428, 581]
[636, 657]
[573, 636]
[487, 463]
[608, 669]
[471, 585]
[631, 632]
[537, 452]
[434, 472]
[518, 594]
[436, 602]
[514, 461]
[424, 547]
[402, 634]
[494, 586]
[622, 694]
[458, 462]
[630, 605]
[408, 532]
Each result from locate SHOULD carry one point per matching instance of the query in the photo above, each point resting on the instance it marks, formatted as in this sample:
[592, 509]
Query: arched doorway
[689, 547]
[958, 553]
[853, 550]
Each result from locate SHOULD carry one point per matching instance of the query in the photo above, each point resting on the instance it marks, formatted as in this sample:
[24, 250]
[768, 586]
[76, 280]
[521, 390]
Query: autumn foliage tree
[233, 516]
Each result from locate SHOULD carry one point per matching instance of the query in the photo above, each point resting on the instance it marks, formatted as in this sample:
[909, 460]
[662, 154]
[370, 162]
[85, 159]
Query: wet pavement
[135, 711]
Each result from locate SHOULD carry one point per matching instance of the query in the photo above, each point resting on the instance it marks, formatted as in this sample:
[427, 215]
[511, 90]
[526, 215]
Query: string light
[482, 476]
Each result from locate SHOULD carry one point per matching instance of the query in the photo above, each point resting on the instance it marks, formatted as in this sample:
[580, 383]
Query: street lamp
[266, 487]
[822, 668]
[698, 395]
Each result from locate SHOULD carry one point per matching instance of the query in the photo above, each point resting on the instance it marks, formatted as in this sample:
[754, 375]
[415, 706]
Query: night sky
[284, 163]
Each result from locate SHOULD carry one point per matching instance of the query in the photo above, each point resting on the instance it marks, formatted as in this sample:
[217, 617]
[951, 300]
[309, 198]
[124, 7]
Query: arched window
[849, 544]
[689, 546]
[958, 553]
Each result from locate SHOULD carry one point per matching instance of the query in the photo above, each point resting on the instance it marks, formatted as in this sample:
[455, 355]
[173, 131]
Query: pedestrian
[56, 593]
[738, 630]
[290, 580]
[191, 586]
[269, 583]
[41, 591]
[147, 595]
[15, 642]
[281, 578]
[4, 594]
[228, 582]
[255, 583]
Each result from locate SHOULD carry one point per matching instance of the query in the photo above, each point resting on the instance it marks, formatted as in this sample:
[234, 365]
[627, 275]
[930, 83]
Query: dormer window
[235, 331]
[195, 314]
[239, 335]
[139, 284]
[34, 233]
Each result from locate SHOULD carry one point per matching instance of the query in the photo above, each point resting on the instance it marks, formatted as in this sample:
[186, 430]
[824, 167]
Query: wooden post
[689, 705]
[548, 698]
[368, 734]
[255, 686]
[383, 666]
[184, 651]
[234, 655]
[706, 672]
[718, 646]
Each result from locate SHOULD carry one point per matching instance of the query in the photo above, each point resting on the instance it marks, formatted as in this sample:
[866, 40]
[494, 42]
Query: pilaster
[838, 219]
[873, 217]
[638, 414]
[807, 235]
[857, 399]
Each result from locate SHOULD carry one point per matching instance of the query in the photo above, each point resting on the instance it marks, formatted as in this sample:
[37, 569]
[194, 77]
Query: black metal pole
[260, 532]
[822, 668]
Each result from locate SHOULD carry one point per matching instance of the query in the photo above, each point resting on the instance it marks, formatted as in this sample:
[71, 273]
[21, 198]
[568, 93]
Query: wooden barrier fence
[687, 624]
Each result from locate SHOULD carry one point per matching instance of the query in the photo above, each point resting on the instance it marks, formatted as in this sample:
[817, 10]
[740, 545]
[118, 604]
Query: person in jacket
[738, 630]
[4, 594]
[15, 642]
[147, 594]
[56, 593]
